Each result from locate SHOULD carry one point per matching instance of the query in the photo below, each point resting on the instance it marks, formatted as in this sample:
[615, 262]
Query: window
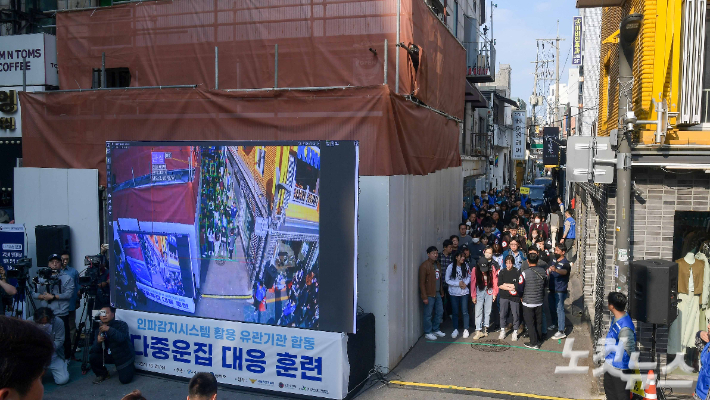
[115, 78]
[456, 19]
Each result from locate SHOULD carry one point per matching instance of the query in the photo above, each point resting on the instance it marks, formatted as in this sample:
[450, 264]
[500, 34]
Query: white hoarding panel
[288, 360]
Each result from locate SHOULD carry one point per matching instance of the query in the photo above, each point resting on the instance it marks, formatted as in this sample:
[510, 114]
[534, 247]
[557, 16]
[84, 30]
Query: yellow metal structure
[656, 69]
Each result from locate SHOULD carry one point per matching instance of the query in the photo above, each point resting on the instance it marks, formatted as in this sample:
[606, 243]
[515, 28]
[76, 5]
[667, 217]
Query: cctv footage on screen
[260, 232]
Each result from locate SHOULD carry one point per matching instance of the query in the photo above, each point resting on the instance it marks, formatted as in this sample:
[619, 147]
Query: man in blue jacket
[621, 333]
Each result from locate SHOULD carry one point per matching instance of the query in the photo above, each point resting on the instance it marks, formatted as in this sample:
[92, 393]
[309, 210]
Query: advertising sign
[519, 135]
[577, 42]
[287, 360]
[39, 51]
[260, 232]
[12, 242]
[551, 145]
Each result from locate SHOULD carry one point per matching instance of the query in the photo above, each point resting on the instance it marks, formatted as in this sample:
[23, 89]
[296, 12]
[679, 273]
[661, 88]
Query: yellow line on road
[470, 389]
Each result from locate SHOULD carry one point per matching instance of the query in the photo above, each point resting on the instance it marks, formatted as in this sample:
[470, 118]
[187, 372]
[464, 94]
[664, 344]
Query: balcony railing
[480, 62]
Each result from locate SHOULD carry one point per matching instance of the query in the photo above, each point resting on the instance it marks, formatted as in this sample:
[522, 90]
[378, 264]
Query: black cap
[54, 256]
[484, 265]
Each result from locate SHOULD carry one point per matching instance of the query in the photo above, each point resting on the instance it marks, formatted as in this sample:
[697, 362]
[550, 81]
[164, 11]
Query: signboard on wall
[39, 51]
[12, 242]
[551, 145]
[287, 360]
[519, 135]
[577, 42]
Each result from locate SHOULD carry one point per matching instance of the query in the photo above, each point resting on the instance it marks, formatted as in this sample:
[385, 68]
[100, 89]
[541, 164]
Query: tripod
[85, 321]
[23, 290]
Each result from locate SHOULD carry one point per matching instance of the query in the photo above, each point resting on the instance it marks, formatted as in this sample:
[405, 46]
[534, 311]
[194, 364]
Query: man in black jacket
[532, 284]
[112, 346]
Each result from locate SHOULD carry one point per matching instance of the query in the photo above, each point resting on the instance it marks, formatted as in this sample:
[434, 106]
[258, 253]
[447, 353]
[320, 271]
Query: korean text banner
[261, 232]
[577, 42]
[262, 357]
[12, 241]
[519, 136]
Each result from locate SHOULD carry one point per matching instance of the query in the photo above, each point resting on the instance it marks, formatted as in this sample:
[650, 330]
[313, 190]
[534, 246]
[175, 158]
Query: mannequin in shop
[693, 293]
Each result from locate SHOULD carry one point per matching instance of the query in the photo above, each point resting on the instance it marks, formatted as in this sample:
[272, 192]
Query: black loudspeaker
[361, 350]
[51, 239]
[653, 291]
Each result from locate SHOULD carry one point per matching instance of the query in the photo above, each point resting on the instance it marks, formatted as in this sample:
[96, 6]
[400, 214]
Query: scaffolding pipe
[216, 68]
[385, 83]
[103, 70]
[120, 88]
[24, 74]
[396, 53]
[312, 88]
[276, 65]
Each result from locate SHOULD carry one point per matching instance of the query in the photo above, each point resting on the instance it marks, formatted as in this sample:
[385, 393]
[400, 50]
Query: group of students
[511, 269]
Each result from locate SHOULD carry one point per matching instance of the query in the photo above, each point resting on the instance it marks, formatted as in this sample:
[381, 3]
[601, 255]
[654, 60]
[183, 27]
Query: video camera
[20, 270]
[89, 279]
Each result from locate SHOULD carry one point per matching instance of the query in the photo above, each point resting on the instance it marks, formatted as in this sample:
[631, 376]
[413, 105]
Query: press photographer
[112, 346]
[54, 327]
[54, 289]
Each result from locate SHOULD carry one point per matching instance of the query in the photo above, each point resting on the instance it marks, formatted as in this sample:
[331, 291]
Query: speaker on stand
[653, 298]
[51, 239]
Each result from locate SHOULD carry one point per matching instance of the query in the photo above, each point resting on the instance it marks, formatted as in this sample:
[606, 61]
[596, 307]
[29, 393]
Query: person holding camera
[112, 346]
[54, 327]
[6, 291]
[55, 291]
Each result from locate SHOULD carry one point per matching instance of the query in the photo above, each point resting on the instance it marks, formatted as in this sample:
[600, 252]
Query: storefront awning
[475, 97]
[507, 100]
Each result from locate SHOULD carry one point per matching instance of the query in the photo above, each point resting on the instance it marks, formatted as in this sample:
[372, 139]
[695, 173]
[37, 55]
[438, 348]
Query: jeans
[514, 308]
[58, 368]
[557, 309]
[459, 303]
[533, 320]
[436, 305]
[484, 301]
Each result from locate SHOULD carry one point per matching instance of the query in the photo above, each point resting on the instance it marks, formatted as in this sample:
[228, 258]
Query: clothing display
[692, 292]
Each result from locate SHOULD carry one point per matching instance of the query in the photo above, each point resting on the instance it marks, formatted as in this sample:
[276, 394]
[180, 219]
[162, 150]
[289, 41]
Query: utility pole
[557, 73]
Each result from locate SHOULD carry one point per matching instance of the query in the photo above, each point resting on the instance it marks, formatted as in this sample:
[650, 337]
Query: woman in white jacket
[458, 278]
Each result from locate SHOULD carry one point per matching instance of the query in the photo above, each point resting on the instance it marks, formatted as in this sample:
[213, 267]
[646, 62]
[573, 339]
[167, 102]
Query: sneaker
[559, 335]
[501, 335]
[509, 326]
[520, 330]
[515, 336]
[551, 327]
[100, 379]
[430, 336]
[465, 334]
[439, 333]
[478, 335]
[455, 334]
[485, 331]
[531, 346]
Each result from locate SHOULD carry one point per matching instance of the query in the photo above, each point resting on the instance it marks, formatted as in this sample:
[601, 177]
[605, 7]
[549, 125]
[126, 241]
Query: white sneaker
[559, 335]
[439, 333]
[465, 333]
[478, 335]
[501, 335]
[515, 336]
[455, 334]
[430, 336]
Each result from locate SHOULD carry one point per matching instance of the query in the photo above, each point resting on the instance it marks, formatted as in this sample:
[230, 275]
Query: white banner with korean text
[281, 359]
[519, 135]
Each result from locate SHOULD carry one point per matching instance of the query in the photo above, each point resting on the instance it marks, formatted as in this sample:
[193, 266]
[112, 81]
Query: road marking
[495, 345]
[471, 389]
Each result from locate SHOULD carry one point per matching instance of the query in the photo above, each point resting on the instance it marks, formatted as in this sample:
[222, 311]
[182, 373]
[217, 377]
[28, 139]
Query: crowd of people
[512, 265]
[218, 209]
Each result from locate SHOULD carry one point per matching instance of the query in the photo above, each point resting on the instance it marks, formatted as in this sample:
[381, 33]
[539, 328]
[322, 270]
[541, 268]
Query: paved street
[444, 369]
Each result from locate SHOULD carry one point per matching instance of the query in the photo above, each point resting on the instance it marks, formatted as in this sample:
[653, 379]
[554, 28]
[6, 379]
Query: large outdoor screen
[261, 232]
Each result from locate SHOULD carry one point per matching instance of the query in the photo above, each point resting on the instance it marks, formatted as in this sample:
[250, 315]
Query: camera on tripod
[89, 279]
[47, 276]
[20, 270]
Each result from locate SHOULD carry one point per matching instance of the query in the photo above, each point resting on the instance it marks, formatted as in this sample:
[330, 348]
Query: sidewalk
[493, 368]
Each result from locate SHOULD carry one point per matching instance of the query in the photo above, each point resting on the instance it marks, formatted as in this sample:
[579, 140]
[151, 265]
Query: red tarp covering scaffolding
[321, 43]
[397, 137]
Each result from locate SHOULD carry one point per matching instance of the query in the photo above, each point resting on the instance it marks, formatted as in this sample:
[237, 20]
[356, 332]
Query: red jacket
[474, 288]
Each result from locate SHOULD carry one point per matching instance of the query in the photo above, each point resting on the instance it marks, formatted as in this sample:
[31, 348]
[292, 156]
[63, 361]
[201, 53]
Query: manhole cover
[491, 345]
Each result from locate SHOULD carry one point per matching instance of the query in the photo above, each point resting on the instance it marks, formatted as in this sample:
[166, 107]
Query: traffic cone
[651, 391]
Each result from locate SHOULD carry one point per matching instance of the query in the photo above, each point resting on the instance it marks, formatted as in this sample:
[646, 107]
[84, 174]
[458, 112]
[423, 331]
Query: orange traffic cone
[651, 391]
